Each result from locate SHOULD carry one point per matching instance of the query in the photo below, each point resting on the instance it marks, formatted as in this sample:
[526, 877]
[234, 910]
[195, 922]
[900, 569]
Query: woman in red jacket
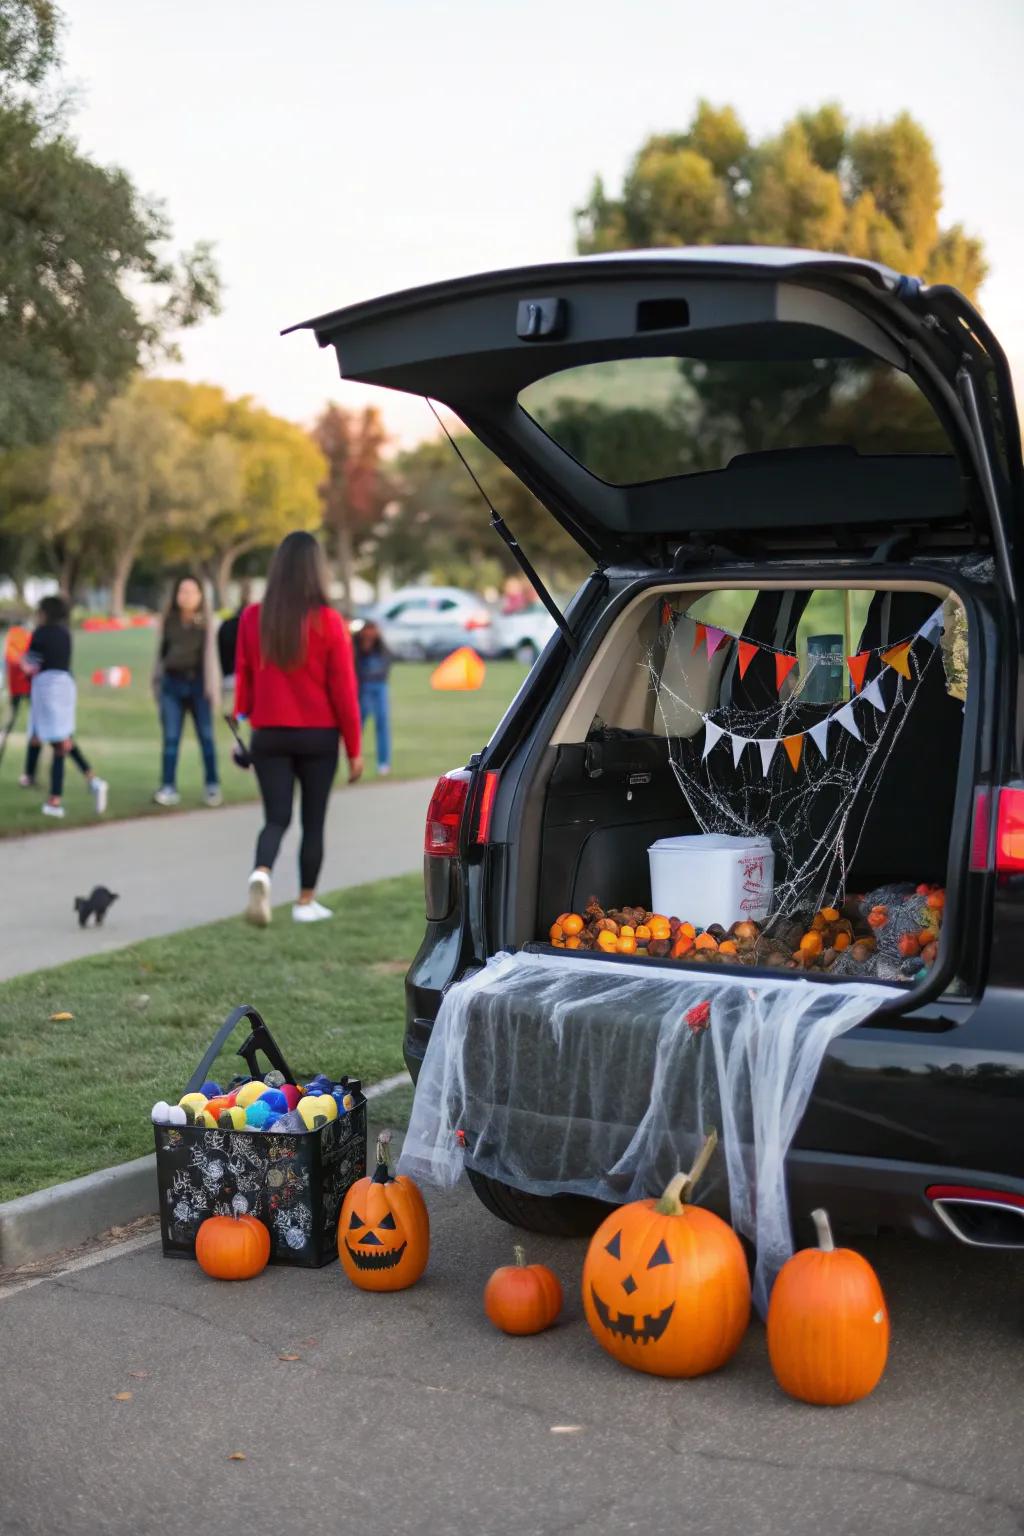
[295, 682]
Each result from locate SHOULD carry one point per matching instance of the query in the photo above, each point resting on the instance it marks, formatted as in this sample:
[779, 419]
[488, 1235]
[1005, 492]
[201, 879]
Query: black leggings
[281, 756]
[57, 766]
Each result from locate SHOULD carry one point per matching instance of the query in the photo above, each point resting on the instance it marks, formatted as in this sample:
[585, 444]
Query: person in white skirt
[52, 705]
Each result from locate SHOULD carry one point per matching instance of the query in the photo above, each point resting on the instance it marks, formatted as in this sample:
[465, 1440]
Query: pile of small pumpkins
[785, 944]
[666, 1288]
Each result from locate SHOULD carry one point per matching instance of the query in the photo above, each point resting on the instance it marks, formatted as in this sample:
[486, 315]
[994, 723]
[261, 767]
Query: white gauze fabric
[587, 1077]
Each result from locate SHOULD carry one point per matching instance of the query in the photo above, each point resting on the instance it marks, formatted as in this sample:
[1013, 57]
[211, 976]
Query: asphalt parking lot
[409, 1414]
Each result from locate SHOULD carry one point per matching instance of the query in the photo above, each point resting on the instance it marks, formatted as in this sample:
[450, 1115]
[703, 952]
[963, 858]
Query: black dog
[94, 905]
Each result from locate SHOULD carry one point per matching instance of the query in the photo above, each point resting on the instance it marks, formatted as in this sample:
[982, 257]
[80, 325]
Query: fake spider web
[813, 816]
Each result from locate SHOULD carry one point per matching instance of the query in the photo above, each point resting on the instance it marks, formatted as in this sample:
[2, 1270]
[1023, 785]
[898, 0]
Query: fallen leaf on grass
[139, 1375]
[123, 1397]
[308, 1343]
[61, 1018]
[236, 1456]
[565, 1429]
[289, 1357]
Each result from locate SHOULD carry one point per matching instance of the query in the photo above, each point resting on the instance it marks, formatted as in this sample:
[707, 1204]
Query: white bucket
[712, 878]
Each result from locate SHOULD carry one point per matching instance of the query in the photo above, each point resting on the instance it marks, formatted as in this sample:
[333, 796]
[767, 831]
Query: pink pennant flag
[714, 638]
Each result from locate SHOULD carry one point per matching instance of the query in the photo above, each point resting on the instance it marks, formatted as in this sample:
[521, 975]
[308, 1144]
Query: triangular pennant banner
[747, 651]
[767, 747]
[714, 638]
[858, 665]
[794, 745]
[666, 612]
[932, 627]
[712, 735]
[698, 639]
[783, 667]
[739, 743]
[873, 694]
[899, 657]
[845, 718]
[819, 735]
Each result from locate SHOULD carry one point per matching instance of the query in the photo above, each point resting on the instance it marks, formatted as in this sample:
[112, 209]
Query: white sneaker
[53, 810]
[213, 795]
[258, 911]
[167, 795]
[310, 912]
[99, 789]
[384, 770]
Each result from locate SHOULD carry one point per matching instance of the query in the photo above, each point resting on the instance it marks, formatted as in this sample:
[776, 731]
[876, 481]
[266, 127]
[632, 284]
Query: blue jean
[373, 700]
[180, 696]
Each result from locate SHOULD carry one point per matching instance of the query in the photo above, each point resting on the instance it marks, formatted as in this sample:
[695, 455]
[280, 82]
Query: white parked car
[427, 623]
[525, 634]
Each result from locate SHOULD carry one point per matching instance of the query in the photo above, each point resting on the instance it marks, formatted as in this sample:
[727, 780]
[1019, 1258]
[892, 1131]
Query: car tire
[525, 653]
[553, 1215]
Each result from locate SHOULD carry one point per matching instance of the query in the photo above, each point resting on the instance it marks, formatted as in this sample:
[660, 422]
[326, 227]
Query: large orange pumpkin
[232, 1247]
[665, 1285]
[828, 1325]
[384, 1229]
[523, 1298]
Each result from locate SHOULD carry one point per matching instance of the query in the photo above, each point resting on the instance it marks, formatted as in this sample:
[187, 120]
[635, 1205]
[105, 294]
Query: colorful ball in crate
[232, 1247]
[383, 1229]
[258, 1116]
[211, 1089]
[665, 1284]
[250, 1092]
[319, 1084]
[291, 1124]
[177, 1115]
[232, 1118]
[275, 1100]
[214, 1106]
[193, 1101]
[160, 1114]
[292, 1095]
[317, 1111]
[203, 1117]
[273, 1079]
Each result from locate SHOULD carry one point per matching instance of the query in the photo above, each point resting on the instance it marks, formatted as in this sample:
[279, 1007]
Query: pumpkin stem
[823, 1228]
[671, 1202]
[519, 1254]
[382, 1174]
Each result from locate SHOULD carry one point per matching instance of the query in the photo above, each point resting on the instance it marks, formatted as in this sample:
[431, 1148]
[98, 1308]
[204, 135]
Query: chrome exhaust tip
[980, 1218]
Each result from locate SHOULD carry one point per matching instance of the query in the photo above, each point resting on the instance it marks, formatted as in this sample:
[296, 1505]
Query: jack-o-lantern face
[666, 1288]
[383, 1230]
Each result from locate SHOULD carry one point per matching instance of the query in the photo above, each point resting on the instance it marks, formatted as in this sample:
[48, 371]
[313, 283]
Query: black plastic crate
[295, 1184]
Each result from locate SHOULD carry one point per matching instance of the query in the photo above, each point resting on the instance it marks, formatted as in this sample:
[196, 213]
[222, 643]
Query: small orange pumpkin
[828, 1325]
[665, 1285]
[571, 925]
[232, 1247]
[383, 1229]
[522, 1298]
[705, 941]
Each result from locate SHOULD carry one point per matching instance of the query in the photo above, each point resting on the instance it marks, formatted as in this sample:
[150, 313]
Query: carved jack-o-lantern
[665, 1284]
[384, 1229]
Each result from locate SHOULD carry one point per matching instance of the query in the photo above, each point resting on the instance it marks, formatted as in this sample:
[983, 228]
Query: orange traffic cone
[461, 671]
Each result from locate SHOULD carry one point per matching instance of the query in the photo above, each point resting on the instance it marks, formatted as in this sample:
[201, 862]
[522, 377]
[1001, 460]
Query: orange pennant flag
[747, 651]
[794, 745]
[783, 667]
[899, 657]
[698, 639]
[666, 612]
[858, 665]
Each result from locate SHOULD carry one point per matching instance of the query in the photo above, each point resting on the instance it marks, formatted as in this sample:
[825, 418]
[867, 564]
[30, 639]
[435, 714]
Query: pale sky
[335, 151]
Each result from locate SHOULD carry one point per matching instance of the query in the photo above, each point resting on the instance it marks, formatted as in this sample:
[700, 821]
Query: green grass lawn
[76, 1095]
[119, 732]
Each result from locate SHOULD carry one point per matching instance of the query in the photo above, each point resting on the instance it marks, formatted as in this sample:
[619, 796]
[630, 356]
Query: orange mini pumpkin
[665, 1284]
[383, 1229]
[571, 925]
[828, 1325]
[522, 1298]
[232, 1247]
[643, 933]
[811, 943]
[705, 941]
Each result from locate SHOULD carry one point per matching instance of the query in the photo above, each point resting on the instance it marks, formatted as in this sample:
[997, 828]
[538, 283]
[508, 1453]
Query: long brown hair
[202, 618]
[296, 587]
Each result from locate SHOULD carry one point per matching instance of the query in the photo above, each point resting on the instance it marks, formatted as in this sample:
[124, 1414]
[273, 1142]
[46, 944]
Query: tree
[87, 289]
[355, 490]
[255, 477]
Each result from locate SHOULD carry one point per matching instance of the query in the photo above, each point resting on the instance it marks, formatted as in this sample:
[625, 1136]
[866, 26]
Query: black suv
[916, 1118]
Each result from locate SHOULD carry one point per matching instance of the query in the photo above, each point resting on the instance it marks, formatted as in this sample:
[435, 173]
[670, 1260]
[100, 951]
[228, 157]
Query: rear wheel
[554, 1215]
[525, 653]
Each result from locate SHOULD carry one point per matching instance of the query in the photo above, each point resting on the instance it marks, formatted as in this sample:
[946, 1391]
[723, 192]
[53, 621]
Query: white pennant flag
[713, 734]
[846, 720]
[738, 744]
[873, 692]
[767, 747]
[931, 628]
[819, 735]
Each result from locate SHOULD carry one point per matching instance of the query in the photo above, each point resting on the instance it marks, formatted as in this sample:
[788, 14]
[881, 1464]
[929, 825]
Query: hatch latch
[541, 319]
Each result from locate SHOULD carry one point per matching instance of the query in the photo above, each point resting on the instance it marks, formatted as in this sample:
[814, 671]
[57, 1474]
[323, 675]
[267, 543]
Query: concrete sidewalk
[185, 869]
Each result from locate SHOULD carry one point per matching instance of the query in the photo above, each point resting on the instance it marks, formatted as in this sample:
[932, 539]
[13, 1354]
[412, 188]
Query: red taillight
[1010, 832]
[444, 814]
[487, 794]
[980, 829]
[477, 621]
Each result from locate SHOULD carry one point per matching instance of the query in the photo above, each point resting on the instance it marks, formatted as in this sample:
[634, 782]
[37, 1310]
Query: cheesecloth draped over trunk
[582, 1076]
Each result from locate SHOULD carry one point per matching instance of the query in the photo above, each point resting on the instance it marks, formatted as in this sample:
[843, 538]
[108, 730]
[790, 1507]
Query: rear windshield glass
[637, 419]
